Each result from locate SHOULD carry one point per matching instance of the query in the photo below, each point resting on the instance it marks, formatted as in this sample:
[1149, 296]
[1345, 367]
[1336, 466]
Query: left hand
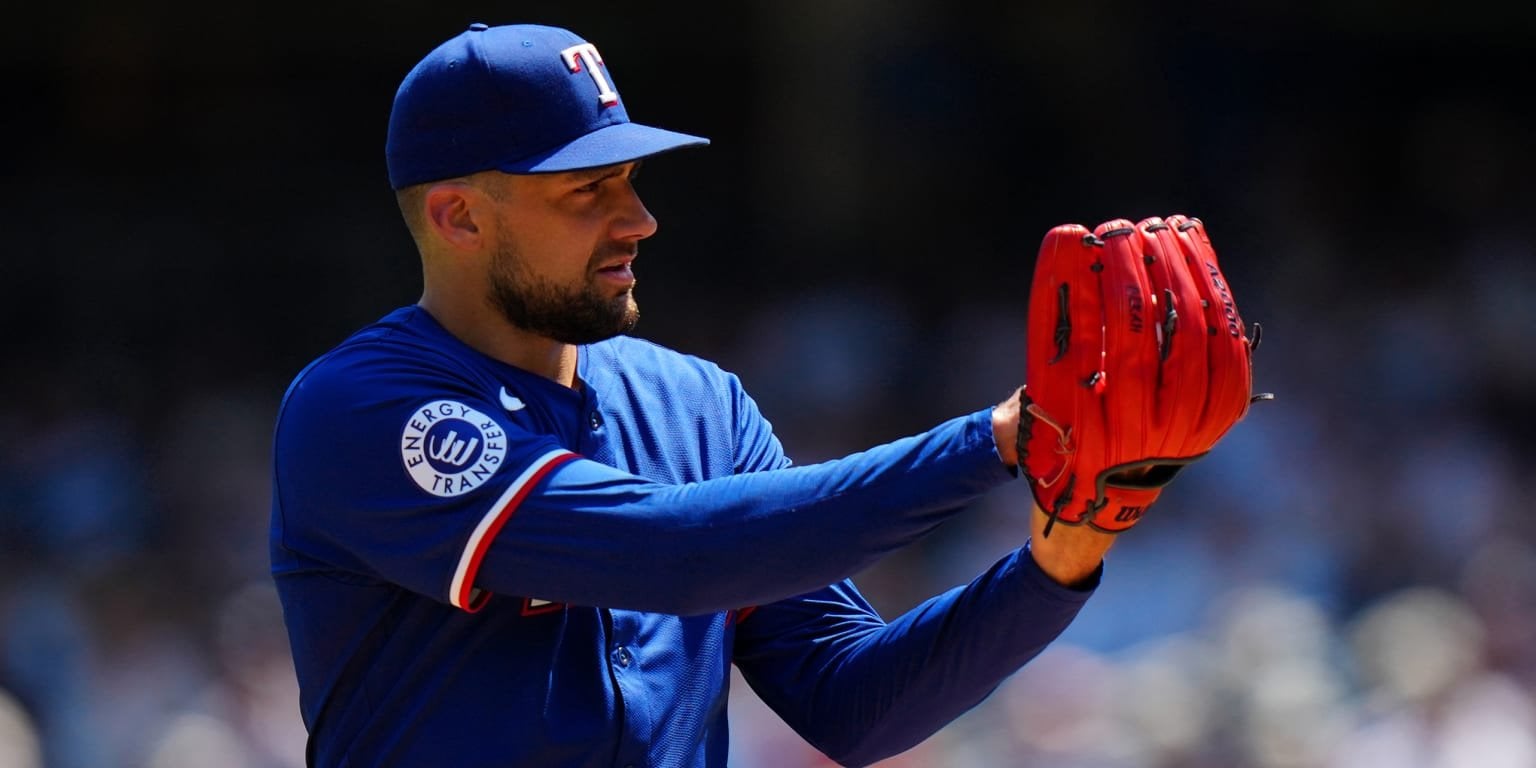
[1071, 557]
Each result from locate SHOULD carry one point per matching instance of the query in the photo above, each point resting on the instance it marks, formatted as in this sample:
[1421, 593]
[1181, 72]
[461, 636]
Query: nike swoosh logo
[510, 401]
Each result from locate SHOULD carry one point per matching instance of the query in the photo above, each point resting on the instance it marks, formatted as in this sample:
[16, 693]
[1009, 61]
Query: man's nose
[634, 222]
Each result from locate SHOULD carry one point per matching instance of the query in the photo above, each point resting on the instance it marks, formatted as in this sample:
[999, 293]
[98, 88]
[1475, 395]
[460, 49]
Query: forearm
[893, 687]
[595, 536]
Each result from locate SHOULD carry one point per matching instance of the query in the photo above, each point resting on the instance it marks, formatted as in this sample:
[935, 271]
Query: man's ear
[454, 215]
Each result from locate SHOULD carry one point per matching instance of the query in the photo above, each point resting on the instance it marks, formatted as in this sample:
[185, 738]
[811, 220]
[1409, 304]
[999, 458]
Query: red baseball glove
[1137, 363]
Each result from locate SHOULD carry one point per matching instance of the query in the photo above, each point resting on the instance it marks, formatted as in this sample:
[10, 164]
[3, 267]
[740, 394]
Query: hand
[1074, 554]
[1137, 363]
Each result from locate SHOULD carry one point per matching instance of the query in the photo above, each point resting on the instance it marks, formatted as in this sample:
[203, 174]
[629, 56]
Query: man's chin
[576, 319]
[620, 324]
[631, 317]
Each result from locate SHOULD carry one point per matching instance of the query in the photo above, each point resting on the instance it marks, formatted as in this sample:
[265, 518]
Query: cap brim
[619, 143]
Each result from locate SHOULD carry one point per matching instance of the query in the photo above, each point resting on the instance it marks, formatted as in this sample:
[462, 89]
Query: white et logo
[450, 448]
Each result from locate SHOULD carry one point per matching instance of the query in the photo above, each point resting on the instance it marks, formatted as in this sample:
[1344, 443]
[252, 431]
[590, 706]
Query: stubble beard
[570, 315]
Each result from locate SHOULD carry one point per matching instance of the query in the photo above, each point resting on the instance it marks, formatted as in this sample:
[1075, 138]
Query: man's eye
[589, 188]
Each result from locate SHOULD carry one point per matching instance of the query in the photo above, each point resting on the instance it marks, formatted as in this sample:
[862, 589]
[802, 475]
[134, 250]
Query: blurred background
[195, 205]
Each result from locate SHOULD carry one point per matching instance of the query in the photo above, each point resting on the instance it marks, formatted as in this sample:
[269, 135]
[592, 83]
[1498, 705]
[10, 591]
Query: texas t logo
[586, 53]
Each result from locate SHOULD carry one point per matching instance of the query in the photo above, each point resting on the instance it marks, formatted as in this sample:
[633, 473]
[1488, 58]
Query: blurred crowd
[1348, 580]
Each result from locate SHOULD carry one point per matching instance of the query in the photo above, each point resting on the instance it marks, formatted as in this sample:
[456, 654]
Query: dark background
[195, 205]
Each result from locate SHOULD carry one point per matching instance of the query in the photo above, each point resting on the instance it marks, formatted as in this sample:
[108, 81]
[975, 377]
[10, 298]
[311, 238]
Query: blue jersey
[481, 567]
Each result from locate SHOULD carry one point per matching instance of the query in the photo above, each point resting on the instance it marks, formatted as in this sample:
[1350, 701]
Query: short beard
[581, 315]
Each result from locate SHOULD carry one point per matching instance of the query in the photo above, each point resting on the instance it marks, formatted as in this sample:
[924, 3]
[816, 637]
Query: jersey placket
[624, 664]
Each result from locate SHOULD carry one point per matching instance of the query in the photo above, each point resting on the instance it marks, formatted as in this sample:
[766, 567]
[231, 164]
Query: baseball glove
[1137, 363]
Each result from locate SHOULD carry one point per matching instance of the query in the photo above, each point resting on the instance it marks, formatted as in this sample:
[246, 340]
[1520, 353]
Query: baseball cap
[520, 98]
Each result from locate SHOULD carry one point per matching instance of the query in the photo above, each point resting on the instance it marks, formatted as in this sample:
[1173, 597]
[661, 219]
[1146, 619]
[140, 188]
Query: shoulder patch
[450, 448]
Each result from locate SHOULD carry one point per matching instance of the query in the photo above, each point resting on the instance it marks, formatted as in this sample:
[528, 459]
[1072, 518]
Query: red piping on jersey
[467, 587]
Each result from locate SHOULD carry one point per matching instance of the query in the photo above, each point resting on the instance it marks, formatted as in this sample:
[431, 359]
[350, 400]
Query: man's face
[564, 243]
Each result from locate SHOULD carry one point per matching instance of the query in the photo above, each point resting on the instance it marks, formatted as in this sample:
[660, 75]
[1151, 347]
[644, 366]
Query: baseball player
[505, 533]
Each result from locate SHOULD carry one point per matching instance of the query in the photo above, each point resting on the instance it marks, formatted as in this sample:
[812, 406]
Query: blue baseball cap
[519, 98]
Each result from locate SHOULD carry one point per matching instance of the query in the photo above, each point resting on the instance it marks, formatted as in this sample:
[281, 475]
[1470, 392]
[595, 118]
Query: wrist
[1005, 429]
[1072, 554]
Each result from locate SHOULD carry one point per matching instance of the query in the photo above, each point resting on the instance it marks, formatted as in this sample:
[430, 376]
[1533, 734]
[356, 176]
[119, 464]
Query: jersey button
[596, 420]
[622, 657]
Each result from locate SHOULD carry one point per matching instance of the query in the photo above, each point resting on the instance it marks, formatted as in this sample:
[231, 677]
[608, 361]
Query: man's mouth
[619, 270]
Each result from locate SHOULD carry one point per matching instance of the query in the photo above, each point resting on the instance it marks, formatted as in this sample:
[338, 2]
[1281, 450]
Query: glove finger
[1230, 373]
[1129, 341]
[1179, 325]
[1064, 364]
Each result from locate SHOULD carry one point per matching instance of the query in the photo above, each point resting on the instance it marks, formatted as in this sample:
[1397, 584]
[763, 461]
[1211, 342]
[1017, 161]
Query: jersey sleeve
[861, 690]
[393, 470]
[593, 535]
[390, 470]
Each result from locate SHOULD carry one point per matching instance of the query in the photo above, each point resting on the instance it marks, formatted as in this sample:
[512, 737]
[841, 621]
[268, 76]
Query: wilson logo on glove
[1109, 414]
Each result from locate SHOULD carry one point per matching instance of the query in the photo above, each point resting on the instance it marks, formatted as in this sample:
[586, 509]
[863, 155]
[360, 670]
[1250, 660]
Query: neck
[487, 332]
